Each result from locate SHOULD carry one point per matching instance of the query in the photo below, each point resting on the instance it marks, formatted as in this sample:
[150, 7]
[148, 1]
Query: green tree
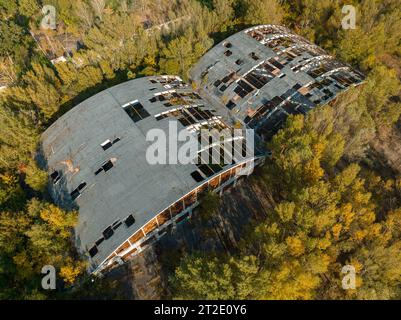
[324, 217]
[263, 12]
[42, 87]
[211, 278]
[35, 177]
[28, 8]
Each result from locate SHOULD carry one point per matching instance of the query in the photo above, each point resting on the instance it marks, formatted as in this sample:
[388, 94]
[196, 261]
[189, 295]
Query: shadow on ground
[146, 275]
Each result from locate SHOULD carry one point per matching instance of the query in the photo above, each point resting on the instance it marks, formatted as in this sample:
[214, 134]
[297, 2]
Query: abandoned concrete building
[263, 74]
[96, 158]
[95, 154]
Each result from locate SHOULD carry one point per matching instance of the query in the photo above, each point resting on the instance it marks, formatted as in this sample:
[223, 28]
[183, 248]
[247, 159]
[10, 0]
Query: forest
[335, 203]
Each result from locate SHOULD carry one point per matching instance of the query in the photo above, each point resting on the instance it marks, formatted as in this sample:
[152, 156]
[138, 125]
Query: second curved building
[264, 73]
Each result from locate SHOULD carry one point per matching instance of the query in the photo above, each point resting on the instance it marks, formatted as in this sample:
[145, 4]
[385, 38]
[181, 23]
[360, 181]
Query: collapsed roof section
[263, 74]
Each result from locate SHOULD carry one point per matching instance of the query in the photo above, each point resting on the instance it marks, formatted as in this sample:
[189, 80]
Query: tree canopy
[331, 206]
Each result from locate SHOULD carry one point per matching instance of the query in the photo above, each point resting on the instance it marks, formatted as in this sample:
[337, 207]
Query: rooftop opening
[228, 53]
[297, 86]
[230, 105]
[227, 44]
[107, 166]
[243, 89]
[239, 62]
[82, 186]
[136, 111]
[129, 221]
[116, 224]
[93, 251]
[77, 191]
[254, 56]
[99, 241]
[106, 145]
[161, 116]
[107, 233]
[197, 176]
[55, 176]
[75, 194]
[217, 83]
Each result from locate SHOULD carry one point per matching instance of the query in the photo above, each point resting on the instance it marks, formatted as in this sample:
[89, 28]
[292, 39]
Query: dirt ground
[387, 148]
[146, 275]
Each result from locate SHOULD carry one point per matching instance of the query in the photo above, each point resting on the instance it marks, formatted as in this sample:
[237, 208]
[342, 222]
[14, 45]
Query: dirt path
[388, 147]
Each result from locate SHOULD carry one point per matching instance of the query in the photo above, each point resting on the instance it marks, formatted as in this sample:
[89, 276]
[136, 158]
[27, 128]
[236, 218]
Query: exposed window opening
[217, 83]
[129, 221]
[106, 145]
[108, 232]
[161, 116]
[228, 53]
[55, 176]
[107, 166]
[254, 56]
[297, 86]
[239, 62]
[136, 111]
[77, 192]
[230, 105]
[82, 186]
[197, 176]
[99, 241]
[116, 224]
[93, 251]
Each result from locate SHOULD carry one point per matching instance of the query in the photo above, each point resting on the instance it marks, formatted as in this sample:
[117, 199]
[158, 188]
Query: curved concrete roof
[262, 74]
[72, 147]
